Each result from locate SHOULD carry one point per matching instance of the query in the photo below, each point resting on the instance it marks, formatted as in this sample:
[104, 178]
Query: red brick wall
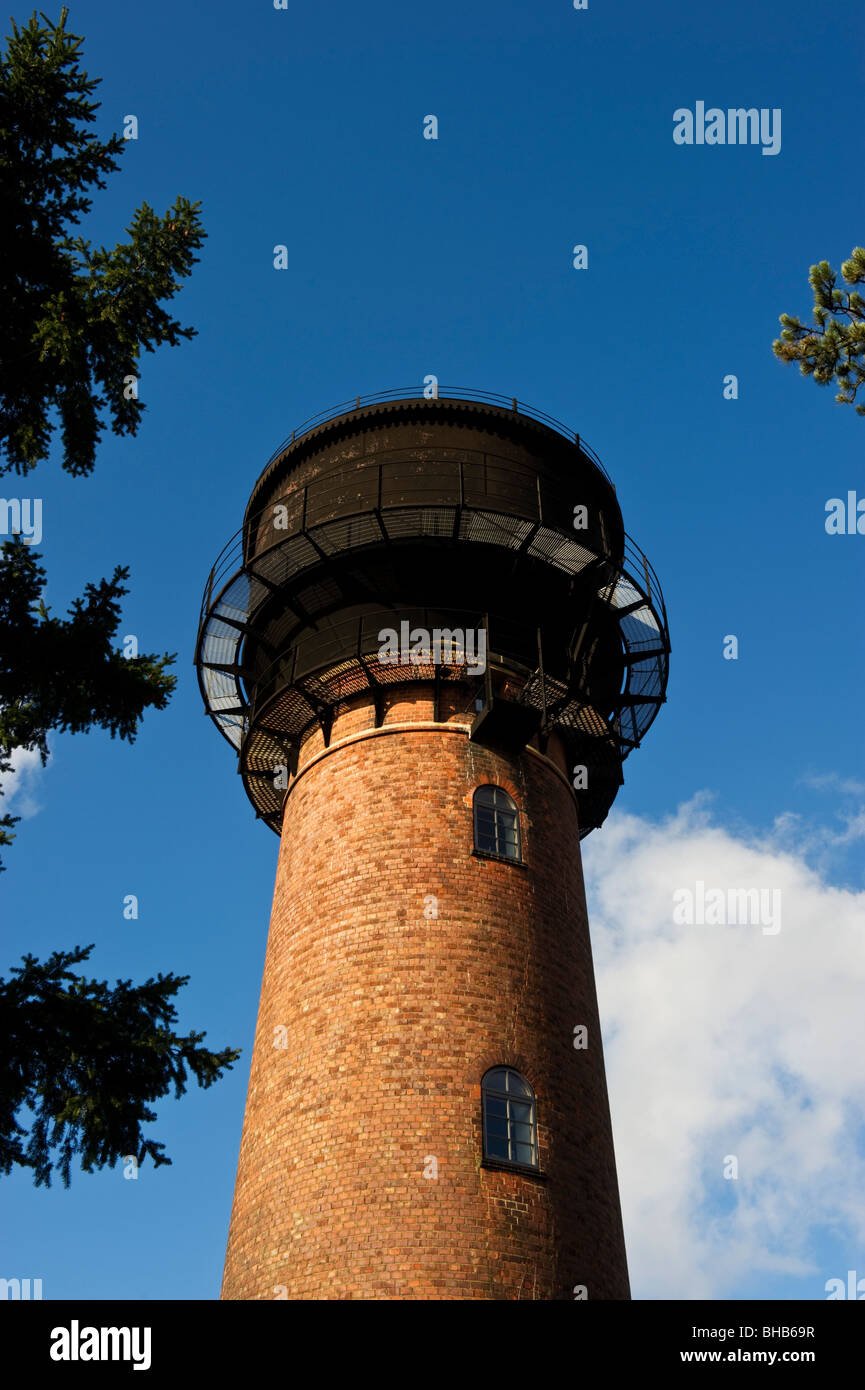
[390, 1021]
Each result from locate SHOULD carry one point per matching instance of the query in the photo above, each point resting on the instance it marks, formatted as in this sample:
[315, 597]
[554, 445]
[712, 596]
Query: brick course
[390, 1020]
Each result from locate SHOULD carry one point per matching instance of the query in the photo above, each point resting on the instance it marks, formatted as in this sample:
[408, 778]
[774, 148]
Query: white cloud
[831, 781]
[19, 786]
[726, 1040]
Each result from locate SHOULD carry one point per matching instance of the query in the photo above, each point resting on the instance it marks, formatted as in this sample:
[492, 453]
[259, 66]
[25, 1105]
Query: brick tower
[432, 645]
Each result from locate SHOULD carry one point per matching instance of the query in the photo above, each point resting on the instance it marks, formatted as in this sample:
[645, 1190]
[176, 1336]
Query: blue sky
[410, 256]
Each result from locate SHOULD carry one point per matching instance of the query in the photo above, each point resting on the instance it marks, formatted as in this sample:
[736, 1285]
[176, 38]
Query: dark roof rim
[407, 405]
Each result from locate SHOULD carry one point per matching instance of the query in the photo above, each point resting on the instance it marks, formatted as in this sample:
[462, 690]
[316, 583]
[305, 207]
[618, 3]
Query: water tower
[432, 646]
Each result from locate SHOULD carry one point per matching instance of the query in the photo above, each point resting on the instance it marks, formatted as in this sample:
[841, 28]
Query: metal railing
[646, 570]
[455, 393]
[635, 574]
[233, 557]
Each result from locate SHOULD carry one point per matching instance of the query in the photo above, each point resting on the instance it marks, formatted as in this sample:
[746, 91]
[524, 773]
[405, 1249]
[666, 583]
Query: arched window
[510, 1119]
[497, 823]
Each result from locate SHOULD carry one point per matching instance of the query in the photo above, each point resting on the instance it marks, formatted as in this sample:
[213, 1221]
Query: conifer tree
[74, 321]
[65, 674]
[833, 348]
[82, 1060]
[85, 1060]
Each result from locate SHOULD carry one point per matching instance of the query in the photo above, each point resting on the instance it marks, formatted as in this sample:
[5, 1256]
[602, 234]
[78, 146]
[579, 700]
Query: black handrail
[457, 393]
